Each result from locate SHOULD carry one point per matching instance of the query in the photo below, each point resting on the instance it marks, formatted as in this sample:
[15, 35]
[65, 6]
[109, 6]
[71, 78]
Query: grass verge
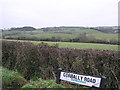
[11, 79]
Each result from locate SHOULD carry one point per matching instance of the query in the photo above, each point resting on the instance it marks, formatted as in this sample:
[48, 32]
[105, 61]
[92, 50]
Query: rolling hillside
[60, 34]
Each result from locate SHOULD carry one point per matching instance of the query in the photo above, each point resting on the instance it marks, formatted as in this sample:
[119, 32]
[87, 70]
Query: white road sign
[81, 79]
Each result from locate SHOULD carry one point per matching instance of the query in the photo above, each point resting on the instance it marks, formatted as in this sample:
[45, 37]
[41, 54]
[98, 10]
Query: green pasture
[75, 45]
[40, 34]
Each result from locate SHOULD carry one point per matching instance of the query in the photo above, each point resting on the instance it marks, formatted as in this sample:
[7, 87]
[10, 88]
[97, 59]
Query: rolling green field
[76, 45]
[75, 32]
[62, 33]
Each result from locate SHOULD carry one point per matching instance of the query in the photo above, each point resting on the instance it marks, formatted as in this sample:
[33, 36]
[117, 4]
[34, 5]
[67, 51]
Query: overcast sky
[48, 13]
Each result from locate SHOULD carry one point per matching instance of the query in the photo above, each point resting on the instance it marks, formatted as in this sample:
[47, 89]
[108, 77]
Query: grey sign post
[58, 75]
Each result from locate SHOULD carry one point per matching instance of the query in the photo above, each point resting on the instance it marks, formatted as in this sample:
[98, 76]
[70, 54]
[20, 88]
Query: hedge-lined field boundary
[34, 61]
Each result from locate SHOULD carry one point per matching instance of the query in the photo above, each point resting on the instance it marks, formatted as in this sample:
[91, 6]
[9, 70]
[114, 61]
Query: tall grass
[11, 79]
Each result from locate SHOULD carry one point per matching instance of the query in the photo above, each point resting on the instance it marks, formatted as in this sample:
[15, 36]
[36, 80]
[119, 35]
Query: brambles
[43, 60]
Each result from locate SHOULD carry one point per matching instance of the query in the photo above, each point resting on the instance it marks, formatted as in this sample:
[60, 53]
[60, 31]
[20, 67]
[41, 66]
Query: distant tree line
[101, 29]
[24, 28]
[60, 28]
[106, 30]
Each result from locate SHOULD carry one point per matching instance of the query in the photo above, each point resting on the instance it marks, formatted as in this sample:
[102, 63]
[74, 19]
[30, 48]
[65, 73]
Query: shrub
[42, 61]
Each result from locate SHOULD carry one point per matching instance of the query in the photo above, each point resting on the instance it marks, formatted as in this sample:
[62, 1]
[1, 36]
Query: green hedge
[42, 61]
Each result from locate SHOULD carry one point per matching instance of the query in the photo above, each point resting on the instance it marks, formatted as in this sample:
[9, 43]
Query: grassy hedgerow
[11, 79]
